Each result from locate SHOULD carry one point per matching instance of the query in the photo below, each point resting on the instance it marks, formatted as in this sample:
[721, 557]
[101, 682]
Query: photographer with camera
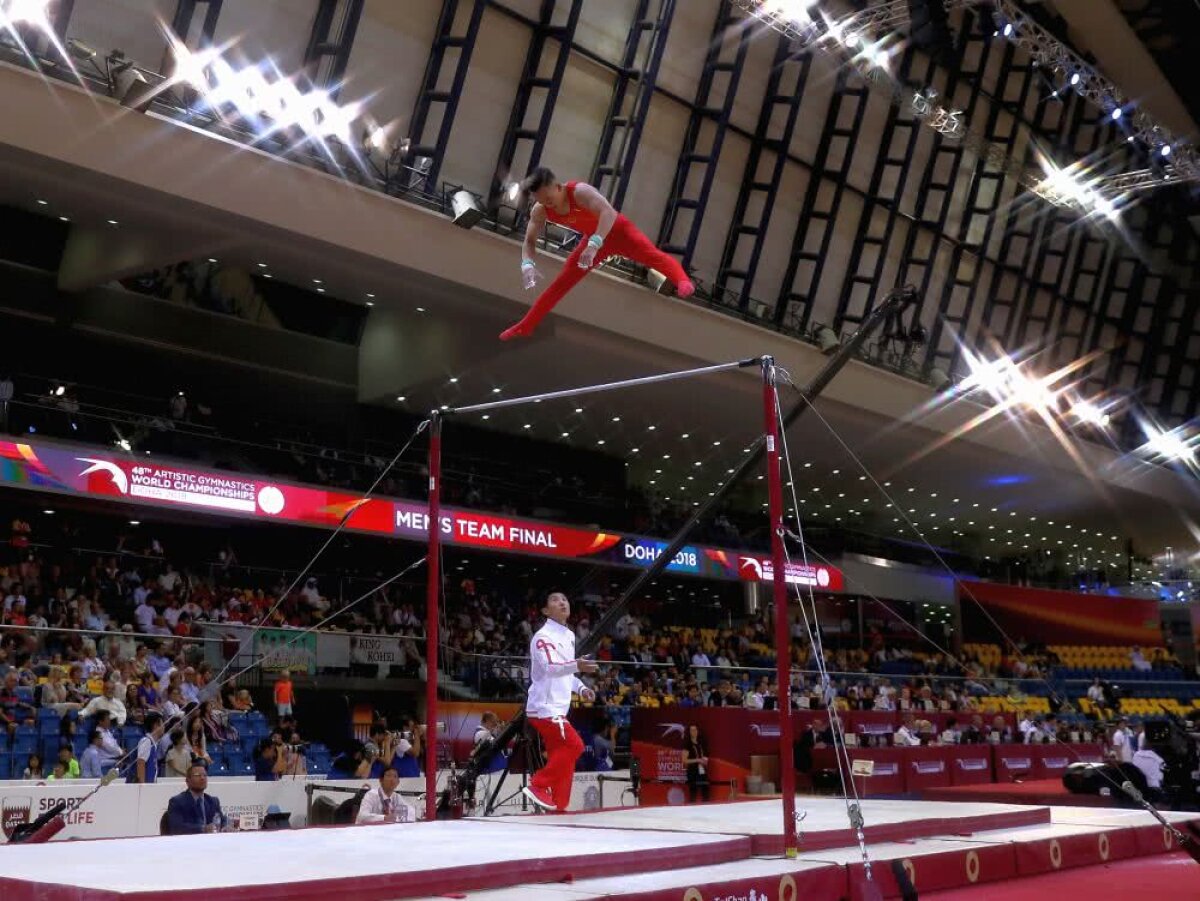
[270, 759]
[400, 749]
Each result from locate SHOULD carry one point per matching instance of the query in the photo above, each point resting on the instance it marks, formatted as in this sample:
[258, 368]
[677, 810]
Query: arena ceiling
[995, 478]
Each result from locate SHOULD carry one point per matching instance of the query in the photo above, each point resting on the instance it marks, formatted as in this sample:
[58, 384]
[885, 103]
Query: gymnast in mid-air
[606, 233]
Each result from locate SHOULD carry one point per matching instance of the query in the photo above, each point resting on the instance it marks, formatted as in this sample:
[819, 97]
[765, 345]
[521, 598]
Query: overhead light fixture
[43, 202]
[513, 191]
[401, 398]
[135, 522]
[1169, 445]
[939, 380]
[130, 87]
[827, 339]
[370, 303]
[370, 296]
[1085, 411]
[466, 209]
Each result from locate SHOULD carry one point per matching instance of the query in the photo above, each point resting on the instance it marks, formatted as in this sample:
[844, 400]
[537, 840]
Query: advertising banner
[95, 472]
[1043, 616]
[376, 649]
[288, 649]
[121, 810]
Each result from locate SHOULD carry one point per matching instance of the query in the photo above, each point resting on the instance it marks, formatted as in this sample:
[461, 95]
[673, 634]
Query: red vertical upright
[433, 561]
[783, 633]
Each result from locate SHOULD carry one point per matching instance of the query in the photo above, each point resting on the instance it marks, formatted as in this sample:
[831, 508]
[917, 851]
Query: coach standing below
[553, 678]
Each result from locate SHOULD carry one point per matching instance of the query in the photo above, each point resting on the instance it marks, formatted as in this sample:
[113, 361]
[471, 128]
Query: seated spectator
[13, 711]
[1140, 663]
[110, 748]
[34, 768]
[197, 741]
[1095, 692]
[189, 687]
[59, 772]
[241, 701]
[383, 804]
[1001, 731]
[178, 759]
[975, 733]
[907, 735]
[66, 757]
[106, 701]
[173, 705]
[193, 811]
[135, 708]
[91, 761]
[54, 692]
[951, 735]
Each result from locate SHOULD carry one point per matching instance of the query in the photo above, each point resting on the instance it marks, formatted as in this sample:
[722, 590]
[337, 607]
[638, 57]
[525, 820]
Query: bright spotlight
[1165, 150]
[377, 138]
[1172, 447]
[796, 10]
[1085, 411]
[1008, 30]
[1117, 113]
[1075, 79]
[32, 11]
[513, 191]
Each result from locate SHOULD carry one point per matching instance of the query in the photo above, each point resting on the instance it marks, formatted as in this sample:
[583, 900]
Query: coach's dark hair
[537, 179]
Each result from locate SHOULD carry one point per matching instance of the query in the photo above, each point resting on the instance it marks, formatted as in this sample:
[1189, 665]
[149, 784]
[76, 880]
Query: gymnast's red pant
[563, 747]
[624, 240]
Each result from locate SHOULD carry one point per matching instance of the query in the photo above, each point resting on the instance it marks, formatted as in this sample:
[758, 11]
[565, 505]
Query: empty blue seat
[25, 744]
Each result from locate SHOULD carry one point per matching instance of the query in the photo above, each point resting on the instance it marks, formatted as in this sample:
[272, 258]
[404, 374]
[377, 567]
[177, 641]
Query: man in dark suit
[192, 811]
[817, 735]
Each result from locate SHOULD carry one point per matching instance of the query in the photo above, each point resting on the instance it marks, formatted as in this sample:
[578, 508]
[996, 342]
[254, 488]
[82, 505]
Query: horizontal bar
[607, 386]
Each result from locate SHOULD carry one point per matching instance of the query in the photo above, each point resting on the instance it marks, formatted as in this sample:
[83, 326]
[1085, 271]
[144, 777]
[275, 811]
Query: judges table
[904, 770]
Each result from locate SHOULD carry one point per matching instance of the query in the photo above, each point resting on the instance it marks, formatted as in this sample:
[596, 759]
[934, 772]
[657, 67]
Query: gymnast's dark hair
[537, 179]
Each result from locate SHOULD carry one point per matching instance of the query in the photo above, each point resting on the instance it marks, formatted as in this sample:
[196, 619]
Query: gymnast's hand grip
[530, 275]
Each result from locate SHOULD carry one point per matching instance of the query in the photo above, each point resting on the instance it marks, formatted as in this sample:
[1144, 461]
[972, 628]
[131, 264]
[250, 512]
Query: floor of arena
[647, 855]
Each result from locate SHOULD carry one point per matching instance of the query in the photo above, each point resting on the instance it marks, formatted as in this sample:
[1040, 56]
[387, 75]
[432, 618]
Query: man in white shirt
[383, 803]
[110, 748]
[1122, 742]
[1026, 728]
[553, 678]
[108, 702]
[1139, 661]
[906, 736]
[1095, 692]
[144, 614]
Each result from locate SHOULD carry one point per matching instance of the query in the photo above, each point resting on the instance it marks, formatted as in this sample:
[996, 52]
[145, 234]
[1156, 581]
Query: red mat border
[906, 831]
